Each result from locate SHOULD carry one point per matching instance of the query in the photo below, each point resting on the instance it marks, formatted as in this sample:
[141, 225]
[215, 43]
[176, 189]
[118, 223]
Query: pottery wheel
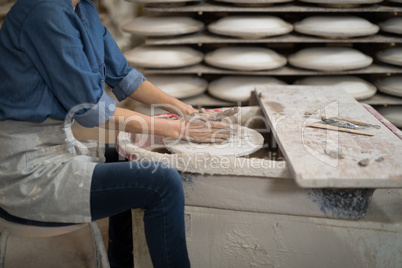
[244, 141]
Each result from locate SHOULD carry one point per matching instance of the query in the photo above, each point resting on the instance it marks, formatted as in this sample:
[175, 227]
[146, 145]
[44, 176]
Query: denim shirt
[54, 62]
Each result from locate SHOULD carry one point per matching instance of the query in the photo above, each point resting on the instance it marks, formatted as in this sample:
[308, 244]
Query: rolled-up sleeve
[123, 79]
[56, 42]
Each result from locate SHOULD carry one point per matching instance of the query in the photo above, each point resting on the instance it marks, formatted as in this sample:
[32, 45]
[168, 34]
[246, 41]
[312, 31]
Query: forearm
[149, 94]
[130, 121]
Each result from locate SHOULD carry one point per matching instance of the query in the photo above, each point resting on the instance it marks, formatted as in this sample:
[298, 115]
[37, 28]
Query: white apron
[45, 174]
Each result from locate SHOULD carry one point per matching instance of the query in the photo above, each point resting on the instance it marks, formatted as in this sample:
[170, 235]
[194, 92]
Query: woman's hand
[200, 130]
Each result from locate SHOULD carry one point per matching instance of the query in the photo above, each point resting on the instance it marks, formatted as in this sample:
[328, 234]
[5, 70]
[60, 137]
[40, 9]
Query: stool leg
[99, 247]
[3, 245]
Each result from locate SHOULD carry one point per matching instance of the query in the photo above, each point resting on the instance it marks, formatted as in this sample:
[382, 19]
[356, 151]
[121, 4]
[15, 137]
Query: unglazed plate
[393, 114]
[163, 56]
[336, 26]
[391, 85]
[163, 26]
[179, 86]
[342, 3]
[245, 58]
[392, 25]
[330, 59]
[250, 27]
[244, 141]
[391, 55]
[239, 88]
[356, 87]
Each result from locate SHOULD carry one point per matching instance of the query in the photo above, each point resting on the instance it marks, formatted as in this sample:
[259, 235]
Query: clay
[179, 86]
[330, 59]
[393, 114]
[163, 26]
[391, 85]
[243, 141]
[250, 27]
[353, 85]
[245, 58]
[391, 55]
[336, 26]
[239, 88]
[163, 56]
[392, 25]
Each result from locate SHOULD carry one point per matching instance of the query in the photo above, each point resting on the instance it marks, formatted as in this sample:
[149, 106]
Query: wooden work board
[327, 158]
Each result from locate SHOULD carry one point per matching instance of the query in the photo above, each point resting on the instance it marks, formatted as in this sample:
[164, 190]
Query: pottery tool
[344, 125]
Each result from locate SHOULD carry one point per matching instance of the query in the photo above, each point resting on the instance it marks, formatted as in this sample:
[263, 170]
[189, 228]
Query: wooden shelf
[383, 99]
[212, 7]
[208, 38]
[201, 69]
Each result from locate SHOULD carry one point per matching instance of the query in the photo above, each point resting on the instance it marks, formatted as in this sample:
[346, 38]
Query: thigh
[121, 186]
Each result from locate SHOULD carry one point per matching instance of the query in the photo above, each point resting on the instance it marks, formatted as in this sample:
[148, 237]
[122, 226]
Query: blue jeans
[120, 186]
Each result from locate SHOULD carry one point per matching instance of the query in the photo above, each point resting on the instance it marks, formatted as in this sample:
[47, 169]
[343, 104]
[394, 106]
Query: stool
[8, 228]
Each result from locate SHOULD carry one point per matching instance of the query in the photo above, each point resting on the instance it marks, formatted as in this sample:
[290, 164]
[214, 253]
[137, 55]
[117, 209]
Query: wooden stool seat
[8, 228]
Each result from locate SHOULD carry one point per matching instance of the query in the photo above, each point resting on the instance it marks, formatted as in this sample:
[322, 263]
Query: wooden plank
[287, 70]
[300, 7]
[327, 158]
[207, 38]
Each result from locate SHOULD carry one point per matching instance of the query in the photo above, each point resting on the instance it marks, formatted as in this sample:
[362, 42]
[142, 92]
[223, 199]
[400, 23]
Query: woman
[55, 60]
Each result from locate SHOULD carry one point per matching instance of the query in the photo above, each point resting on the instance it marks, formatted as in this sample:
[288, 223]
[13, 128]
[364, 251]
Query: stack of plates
[393, 114]
[245, 58]
[330, 59]
[392, 25]
[391, 55]
[342, 3]
[254, 2]
[163, 56]
[391, 85]
[239, 88]
[336, 26]
[180, 86]
[163, 26]
[250, 27]
[354, 86]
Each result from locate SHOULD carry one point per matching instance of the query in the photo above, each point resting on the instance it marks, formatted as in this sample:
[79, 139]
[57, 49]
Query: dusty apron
[45, 174]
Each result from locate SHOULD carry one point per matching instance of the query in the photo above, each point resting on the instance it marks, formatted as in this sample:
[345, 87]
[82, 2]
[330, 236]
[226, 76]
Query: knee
[171, 178]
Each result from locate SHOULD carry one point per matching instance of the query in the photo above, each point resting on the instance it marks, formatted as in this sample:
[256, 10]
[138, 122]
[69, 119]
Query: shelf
[383, 99]
[209, 7]
[200, 69]
[207, 38]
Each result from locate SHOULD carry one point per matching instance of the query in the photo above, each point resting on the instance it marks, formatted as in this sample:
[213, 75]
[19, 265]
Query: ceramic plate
[163, 56]
[336, 26]
[163, 26]
[244, 141]
[239, 88]
[342, 3]
[245, 58]
[393, 114]
[392, 25]
[391, 55]
[180, 86]
[250, 27]
[330, 59]
[391, 85]
[354, 86]
[254, 2]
